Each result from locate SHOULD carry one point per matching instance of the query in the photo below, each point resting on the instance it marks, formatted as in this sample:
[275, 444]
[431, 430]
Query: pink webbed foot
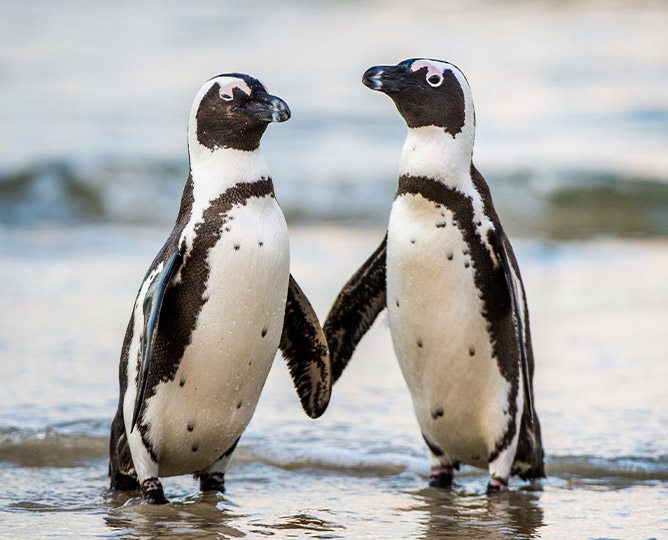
[441, 477]
[152, 491]
[212, 482]
[496, 485]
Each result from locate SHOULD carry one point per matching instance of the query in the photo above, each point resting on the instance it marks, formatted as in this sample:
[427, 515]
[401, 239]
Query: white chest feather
[199, 414]
[440, 336]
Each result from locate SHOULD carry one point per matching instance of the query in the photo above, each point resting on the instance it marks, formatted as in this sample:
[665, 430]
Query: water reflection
[206, 515]
[305, 524]
[457, 515]
[198, 516]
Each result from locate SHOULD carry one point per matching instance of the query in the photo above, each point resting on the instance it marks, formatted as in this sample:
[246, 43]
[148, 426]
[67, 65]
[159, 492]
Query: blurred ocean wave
[545, 203]
[82, 443]
[571, 108]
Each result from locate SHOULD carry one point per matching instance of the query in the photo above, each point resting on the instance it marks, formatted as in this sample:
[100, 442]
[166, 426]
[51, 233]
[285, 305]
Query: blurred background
[571, 103]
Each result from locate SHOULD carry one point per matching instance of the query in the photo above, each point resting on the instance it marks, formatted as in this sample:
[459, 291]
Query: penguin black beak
[268, 108]
[386, 79]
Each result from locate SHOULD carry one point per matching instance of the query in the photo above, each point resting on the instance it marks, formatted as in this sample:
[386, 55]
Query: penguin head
[426, 92]
[233, 110]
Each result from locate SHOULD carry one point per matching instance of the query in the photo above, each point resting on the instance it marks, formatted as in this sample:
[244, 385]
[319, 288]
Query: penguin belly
[439, 333]
[198, 415]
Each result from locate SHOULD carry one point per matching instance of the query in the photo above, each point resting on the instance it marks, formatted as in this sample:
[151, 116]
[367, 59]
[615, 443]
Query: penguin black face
[233, 110]
[426, 92]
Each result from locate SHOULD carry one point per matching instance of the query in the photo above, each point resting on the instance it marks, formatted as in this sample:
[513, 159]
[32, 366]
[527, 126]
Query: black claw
[498, 486]
[212, 482]
[441, 480]
[153, 493]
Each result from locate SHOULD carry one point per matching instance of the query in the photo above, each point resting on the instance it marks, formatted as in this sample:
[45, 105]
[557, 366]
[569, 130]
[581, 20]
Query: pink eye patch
[227, 91]
[431, 69]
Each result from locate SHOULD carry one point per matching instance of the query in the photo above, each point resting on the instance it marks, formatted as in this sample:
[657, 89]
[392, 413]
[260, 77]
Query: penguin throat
[430, 152]
[215, 171]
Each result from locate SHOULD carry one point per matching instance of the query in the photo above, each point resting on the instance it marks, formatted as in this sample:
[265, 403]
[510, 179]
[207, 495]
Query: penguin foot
[441, 477]
[153, 493]
[212, 482]
[496, 485]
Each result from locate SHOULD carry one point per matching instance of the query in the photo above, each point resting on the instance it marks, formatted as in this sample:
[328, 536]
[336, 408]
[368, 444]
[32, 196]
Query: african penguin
[214, 307]
[447, 274]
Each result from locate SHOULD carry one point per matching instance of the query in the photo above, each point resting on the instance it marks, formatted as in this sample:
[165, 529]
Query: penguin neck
[430, 152]
[212, 173]
[215, 171]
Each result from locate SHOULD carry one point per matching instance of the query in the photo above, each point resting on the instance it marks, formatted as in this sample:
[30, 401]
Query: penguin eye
[226, 96]
[434, 80]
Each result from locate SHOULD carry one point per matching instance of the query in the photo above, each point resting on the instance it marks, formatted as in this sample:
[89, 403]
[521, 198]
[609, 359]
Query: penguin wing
[155, 294]
[517, 305]
[355, 308]
[304, 347]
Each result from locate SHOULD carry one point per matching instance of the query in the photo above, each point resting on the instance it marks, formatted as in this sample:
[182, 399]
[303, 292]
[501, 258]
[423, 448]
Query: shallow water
[571, 117]
[599, 312]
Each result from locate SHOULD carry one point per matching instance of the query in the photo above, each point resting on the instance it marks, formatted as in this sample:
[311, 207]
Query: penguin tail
[121, 466]
[527, 471]
[529, 461]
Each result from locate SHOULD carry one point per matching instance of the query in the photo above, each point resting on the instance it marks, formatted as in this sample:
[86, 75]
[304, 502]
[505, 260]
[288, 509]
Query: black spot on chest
[490, 280]
[183, 301]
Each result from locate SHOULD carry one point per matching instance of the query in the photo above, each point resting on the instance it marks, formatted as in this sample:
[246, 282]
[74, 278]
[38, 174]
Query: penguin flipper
[356, 308]
[304, 348]
[517, 306]
[155, 294]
